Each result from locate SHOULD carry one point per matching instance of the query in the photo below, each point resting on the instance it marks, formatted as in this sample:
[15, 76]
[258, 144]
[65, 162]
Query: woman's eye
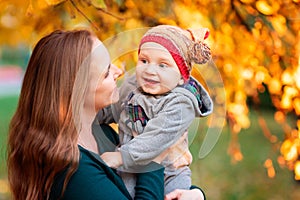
[107, 72]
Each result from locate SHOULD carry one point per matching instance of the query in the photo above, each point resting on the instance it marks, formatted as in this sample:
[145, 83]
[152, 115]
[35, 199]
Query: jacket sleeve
[160, 133]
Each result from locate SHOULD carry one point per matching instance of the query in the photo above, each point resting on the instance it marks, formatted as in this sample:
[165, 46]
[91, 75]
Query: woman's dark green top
[95, 180]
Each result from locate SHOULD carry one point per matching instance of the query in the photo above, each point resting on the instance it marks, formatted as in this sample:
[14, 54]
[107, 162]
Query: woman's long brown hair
[42, 139]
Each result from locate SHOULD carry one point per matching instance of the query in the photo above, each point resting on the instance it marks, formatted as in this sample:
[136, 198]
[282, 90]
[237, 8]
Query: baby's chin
[155, 92]
[149, 90]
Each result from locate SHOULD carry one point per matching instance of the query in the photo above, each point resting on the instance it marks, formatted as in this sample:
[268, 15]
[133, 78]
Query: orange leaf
[54, 2]
[265, 8]
[98, 3]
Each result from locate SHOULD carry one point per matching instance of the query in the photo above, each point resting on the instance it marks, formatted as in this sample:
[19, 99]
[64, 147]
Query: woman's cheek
[115, 95]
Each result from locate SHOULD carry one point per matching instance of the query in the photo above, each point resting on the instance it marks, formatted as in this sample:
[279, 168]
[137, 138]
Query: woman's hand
[179, 194]
[112, 159]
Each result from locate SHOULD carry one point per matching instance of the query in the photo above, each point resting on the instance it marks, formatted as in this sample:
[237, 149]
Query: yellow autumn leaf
[53, 2]
[279, 24]
[280, 117]
[297, 170]
[98, 4]
[286, 145]
[238, 156]
[260, 76]
[297, 107]
[297, 74]
[43, 4]
[130, 4]
[29, 11]
[270, 168]
[290, 91]
[286, 102]
[240, 96]
[9, 21]
[274, 86]
[247, 1]
[165, 20]
[263, 7]
[289, 150]
[244, 121]
[287, 78]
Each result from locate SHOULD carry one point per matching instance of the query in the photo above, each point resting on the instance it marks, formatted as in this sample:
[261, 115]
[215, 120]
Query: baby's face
[156, 70]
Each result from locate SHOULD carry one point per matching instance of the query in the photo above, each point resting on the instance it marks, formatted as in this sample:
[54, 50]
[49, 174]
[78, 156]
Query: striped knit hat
[185, 46]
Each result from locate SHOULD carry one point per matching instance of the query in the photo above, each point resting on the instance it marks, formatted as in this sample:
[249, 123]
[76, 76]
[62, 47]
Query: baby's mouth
[151, 81]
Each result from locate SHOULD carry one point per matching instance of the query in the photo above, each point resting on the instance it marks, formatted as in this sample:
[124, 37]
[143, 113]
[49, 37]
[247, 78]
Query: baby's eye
[162, 65]
[144, 61]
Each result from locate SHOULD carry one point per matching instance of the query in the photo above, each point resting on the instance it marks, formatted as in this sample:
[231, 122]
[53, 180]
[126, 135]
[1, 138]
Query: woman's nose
[116, 71]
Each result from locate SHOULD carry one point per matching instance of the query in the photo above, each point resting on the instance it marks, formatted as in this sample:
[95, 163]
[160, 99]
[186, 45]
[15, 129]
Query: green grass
[215, 173]
[7, 109]
[248, 178]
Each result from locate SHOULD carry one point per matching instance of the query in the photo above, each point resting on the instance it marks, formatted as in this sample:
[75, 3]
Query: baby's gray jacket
[166, 116]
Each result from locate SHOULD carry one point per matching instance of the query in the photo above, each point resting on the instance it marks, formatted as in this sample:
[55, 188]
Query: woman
[52, 153]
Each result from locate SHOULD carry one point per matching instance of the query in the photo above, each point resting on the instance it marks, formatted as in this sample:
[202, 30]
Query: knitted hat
[185, 46]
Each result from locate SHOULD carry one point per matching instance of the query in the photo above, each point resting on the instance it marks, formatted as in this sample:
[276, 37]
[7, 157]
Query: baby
[158, 104]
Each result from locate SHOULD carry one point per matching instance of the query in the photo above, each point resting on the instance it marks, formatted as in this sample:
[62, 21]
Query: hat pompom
[200, 52]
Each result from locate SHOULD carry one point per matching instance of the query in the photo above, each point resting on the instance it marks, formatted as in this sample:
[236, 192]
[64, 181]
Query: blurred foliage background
[255, 45]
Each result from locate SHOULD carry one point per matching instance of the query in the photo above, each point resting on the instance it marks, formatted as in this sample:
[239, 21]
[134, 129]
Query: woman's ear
[181, 81]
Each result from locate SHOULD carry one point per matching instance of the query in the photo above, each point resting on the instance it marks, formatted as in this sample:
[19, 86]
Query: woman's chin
[115, 96]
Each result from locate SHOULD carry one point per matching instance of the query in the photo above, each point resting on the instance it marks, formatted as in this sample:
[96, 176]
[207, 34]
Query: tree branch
[111, 14]
[90, 21]
[84, 15]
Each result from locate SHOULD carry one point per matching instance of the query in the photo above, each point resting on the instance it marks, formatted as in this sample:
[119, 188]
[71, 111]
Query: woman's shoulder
[89, 159]
[83, 176]
[91, 178]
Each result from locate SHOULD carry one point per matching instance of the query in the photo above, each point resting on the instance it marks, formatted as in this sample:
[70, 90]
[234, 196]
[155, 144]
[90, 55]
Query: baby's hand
[112, 159]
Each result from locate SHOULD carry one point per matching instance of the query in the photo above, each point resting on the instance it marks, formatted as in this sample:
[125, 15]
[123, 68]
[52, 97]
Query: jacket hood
[204, 101]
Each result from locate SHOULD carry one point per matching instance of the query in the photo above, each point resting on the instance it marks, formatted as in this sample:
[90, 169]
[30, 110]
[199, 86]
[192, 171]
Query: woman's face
[103, 77]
